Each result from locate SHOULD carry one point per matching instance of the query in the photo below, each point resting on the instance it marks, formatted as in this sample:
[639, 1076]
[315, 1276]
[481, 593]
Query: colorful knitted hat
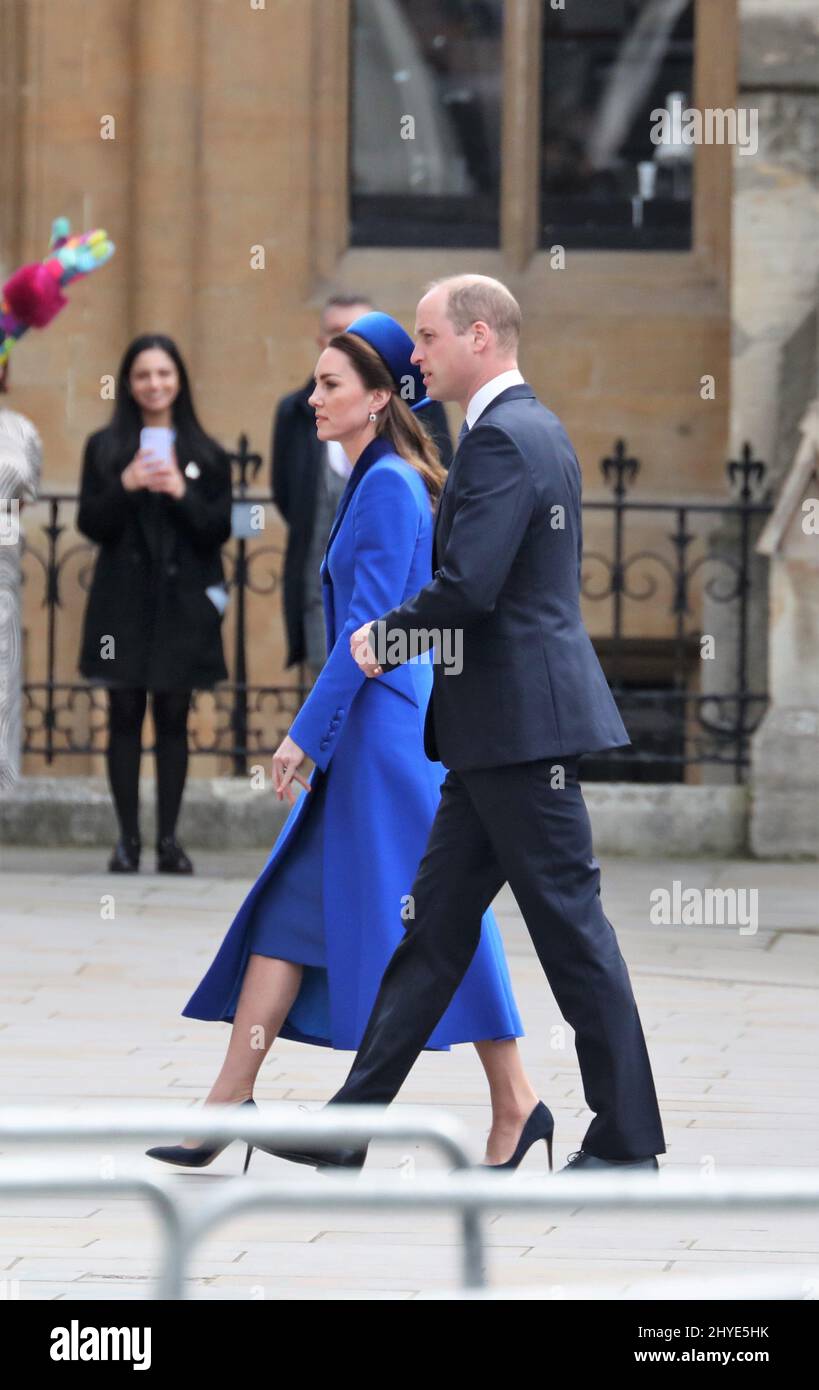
[33, 295]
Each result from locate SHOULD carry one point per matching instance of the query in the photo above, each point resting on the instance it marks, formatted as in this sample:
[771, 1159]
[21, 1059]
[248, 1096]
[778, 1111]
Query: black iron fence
[648, 605]
[687, 697]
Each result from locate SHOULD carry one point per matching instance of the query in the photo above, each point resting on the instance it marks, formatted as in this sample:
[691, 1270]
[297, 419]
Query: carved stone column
[785, 748]
[20, 464]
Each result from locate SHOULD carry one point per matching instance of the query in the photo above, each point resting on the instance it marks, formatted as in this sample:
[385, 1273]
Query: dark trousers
[509, 824]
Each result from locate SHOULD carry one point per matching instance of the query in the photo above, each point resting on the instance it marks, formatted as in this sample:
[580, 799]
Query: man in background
[307, 480]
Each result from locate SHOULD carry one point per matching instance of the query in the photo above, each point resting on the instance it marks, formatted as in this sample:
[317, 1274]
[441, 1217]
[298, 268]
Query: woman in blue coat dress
[304, 955]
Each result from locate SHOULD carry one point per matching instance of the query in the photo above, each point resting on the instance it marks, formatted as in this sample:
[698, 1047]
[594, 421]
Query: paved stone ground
[90, 1012]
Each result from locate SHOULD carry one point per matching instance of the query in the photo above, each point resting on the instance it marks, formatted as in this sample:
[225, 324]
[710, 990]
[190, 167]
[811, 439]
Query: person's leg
[269, 988]
[170, 712]
[511, 1093]
[456, 881]
[126, 711]
[542, 835]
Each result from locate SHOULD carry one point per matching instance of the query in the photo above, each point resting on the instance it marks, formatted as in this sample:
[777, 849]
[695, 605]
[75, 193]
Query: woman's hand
[139, 472]
[286, 759]
[168, 477]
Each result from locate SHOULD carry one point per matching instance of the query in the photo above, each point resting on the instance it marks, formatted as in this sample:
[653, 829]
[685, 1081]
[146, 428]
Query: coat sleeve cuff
[309, 742]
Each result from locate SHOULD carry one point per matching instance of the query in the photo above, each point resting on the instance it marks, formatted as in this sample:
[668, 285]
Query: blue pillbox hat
[394, 346]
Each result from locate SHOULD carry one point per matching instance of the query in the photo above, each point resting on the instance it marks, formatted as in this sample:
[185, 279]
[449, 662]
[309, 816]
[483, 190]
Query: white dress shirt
[337, 458]
[489, 391]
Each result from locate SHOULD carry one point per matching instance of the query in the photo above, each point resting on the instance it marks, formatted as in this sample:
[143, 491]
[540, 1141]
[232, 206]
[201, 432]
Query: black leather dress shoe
[580, 1160]
[125, 857]
[325, 1160]
[171, 858]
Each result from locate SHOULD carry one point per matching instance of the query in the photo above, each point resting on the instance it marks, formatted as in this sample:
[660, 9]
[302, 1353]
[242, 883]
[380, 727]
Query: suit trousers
[510, 824]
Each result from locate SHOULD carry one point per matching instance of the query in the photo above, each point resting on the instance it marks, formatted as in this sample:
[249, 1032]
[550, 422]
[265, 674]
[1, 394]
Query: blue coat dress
[335, 893]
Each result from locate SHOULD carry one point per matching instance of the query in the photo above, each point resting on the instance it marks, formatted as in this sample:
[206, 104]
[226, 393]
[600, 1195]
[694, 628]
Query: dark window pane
[438, 62]
[607, 64]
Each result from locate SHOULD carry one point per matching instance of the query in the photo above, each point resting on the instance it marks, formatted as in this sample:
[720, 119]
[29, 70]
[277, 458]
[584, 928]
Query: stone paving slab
[89, 1012]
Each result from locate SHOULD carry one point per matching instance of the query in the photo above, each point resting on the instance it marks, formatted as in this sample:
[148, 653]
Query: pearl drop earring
[373, 417]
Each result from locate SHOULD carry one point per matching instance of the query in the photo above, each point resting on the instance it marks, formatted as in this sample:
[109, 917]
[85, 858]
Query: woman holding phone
[156, 496]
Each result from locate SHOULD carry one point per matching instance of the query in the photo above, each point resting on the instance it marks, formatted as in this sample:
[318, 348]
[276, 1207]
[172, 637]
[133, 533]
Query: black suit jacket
[295, 456]
[507, 548]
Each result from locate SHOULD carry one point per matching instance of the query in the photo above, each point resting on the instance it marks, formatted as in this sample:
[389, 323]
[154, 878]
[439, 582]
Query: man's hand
[286, 759]
[362, 652]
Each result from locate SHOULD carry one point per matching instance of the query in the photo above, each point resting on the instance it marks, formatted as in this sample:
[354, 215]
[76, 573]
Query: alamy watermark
[445, 645]
[705, 907]
[678, 125]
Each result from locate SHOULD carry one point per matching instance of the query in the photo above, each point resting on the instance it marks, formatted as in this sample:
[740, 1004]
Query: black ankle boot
[125, 858]
[171, 858]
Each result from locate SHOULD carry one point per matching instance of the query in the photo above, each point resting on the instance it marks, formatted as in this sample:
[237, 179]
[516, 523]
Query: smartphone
[158, 440]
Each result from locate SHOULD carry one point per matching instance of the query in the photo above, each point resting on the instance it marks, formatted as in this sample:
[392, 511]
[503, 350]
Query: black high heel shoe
[171, 858]
[540, 1125]
[204, 1154]
[125, 856]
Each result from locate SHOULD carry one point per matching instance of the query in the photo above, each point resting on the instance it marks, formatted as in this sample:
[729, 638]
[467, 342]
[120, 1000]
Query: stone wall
[775, 265]
[231, 133]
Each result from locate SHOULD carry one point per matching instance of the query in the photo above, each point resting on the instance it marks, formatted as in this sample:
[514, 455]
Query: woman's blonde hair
[396, 421]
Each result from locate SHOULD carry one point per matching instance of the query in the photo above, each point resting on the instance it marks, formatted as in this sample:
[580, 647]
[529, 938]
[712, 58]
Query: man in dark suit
[307, 480]
[525, 698]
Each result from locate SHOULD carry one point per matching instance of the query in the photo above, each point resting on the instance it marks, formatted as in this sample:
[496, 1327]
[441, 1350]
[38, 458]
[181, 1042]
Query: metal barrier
[468, 1191]
[40, 1179]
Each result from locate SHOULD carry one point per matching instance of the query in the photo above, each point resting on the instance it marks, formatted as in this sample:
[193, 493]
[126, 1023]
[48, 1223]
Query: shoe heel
[549, 1138]
[247, 1157]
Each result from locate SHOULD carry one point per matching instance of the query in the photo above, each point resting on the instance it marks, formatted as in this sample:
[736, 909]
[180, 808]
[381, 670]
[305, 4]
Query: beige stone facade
[231, 135]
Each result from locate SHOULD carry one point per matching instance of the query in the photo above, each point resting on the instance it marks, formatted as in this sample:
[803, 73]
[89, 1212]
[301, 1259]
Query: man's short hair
[345, 300]
[479, 297]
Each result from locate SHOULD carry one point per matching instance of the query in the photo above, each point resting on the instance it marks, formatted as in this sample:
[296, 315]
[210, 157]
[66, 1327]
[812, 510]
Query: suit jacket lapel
[438, 518]
[520, 390]
[462, 433]
[375, 450]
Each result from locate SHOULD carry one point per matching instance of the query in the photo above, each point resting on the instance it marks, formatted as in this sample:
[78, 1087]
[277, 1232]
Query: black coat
[295, 455]
[157, 556]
